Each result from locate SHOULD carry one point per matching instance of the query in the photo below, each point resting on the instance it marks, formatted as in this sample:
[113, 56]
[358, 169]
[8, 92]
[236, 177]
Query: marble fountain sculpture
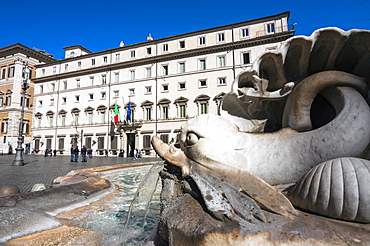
[286, 161]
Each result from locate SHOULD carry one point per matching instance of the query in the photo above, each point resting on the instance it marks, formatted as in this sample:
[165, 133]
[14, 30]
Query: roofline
[178, 36]
[33, 53]
[78, 47]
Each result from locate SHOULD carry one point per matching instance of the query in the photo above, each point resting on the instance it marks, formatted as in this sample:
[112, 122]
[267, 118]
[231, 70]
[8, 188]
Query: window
[165, 88]
[132, 75]
[78, 83]
[72, 54]
[165, 47]
[102, 117]
[40, 103]
[165, 69]
[65, 85]
[202, 64]
[203, 108]
[182, 44]
[148, 72]
[220, 37]
[77, 98]
[65, 67]
[93, 62]
[61, 143]
[79, 64]
[182, 111]
[92, 80]
[52, 86]
[245, 32]
[164, 138]
[41, 89]
[103, 95]
[104, 79]
[52, 102]
[246, 58]
[91, 96]
[202, 103]
[182, 67]
[132, 53]
[3, 72]
[149, 51]
[116, 77]
[182, 85]
[11, 72]
[54, 69]
[221, 61]
[116, 93]
[148, 90]
[147, 142]
[105, 59]
[270, 28]
[88, 142]
[64, 100]
[63, 120]
[42, 72]
[203, 83]
[131, 92]
[202, 40]
[148, 113]
[165, 112]
[221, 81]
[118, 57]
[89, 118]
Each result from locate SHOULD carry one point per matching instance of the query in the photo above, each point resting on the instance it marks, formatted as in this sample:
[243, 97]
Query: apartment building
[13, 60]
[153, 87]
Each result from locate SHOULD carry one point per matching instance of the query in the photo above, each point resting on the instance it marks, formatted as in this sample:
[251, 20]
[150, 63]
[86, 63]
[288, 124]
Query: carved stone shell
[339, 188]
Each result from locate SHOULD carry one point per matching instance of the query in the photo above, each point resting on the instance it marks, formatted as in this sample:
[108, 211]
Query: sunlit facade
[165, 82]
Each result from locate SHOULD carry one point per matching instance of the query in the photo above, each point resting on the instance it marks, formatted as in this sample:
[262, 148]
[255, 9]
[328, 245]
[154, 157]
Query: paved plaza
[43, 170]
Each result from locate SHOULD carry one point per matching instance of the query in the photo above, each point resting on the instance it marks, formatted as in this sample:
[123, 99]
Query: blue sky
[99, 25]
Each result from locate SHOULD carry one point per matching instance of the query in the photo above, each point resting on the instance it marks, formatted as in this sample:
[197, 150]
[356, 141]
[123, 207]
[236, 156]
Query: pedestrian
[77, 152]
[83, 153]
[106, 152]
[46, 152]
[135, 153]
[89, 153]
[121, 153]
[55, 153]
[51, 152]
[72, 154]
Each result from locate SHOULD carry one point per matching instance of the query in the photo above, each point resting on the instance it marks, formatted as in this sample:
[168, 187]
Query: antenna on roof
[149, 38]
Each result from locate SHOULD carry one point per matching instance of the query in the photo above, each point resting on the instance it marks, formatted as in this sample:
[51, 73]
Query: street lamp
[18, 160]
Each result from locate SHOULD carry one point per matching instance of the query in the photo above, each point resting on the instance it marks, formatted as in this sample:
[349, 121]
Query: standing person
[89, 153]
[51, 152]
[106, 152]
[46, 152]
[72, 154]
[135, 154]
[55, 153]
[83, 153]
[77, 151]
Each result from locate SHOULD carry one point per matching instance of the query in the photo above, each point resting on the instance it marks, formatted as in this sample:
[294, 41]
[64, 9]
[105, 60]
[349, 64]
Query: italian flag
[116, 112]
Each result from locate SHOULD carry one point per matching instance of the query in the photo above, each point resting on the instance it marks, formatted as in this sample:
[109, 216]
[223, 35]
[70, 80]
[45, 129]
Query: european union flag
[128, 111]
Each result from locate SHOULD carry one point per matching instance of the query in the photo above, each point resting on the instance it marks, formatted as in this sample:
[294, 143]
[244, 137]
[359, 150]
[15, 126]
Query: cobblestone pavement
[44, 170]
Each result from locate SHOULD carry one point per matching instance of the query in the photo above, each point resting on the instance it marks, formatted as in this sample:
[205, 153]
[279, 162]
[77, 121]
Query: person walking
[89, 154]
[72, 154]
[55, 153]
[77, 152]
[83, 153]
[106, 152]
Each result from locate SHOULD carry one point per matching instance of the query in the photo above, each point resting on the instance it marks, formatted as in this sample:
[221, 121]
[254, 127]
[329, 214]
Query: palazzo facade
[156, 85]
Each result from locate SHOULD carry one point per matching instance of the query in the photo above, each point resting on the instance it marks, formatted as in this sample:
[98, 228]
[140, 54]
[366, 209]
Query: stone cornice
[166, 39]
[19, 48]
[171, 56]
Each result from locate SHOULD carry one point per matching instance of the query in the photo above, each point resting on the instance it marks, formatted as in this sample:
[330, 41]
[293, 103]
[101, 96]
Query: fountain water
[136, 218]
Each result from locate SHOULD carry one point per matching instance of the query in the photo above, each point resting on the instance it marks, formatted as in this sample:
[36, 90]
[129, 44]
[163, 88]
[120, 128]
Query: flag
[129, 111]
[116, 112]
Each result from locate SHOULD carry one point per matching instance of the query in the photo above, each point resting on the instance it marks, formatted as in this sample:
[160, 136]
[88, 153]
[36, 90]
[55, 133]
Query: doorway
[130, 144]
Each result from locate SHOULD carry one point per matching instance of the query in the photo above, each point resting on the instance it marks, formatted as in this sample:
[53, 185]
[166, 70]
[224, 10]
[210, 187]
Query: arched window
[147, 109]
[181, 104]
[38, 117]
[164, 105]
[89, 111]
[62, 114]
[102, 110]
[202, 102]
[76, 114]
[50, 116]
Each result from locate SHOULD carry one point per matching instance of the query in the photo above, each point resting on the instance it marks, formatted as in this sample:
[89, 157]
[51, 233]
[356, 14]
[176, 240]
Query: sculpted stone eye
[192, 138]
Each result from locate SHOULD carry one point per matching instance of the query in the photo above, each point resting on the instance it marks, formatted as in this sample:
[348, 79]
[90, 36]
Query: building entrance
[130, 144]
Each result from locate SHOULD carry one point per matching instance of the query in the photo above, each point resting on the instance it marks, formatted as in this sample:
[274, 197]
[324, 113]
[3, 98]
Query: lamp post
[18, 160]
